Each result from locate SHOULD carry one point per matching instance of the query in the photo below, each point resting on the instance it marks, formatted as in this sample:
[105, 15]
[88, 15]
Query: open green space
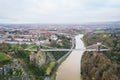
[50, 68]
[4, 58]
[32, 48]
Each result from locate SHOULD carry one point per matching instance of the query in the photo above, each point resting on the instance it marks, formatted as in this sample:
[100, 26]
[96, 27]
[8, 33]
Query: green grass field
[50, 67]
[4, 58]
[32, 48]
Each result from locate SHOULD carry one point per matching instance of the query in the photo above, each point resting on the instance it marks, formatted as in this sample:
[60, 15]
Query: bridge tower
[98, 46]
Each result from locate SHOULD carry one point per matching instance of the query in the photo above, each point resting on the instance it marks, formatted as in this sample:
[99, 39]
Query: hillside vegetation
[4, 59]
[106, 65]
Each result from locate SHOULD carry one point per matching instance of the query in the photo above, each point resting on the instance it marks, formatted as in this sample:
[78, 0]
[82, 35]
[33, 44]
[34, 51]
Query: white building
[53, 37]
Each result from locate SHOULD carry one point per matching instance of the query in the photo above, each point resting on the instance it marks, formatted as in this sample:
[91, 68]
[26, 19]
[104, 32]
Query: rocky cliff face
[40, 58]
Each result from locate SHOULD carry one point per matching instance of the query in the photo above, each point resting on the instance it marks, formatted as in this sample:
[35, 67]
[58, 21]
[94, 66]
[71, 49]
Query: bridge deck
[73, 49]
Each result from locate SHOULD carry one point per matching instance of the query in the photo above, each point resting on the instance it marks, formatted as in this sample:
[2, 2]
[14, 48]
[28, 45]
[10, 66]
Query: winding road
[70, 68]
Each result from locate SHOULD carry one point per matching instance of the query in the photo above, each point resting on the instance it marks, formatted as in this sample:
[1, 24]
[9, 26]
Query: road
[70, 68]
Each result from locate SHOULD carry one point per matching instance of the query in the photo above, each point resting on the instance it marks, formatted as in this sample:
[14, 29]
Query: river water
[70, 68]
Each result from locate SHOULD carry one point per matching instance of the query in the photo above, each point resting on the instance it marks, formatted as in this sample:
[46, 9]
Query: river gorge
[70, 68]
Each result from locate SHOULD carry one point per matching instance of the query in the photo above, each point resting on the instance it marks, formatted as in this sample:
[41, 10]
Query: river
[70, 68]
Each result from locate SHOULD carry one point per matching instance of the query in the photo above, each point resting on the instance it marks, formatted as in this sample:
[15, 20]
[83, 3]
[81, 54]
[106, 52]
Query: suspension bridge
[94, 47]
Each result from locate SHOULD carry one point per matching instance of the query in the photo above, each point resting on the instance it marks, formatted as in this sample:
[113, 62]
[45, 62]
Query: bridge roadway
[73, 49]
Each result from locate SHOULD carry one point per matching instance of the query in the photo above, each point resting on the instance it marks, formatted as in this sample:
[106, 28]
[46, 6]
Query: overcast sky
[59, 11]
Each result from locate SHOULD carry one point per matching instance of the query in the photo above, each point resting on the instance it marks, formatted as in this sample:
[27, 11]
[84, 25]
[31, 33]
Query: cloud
[58, 11]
